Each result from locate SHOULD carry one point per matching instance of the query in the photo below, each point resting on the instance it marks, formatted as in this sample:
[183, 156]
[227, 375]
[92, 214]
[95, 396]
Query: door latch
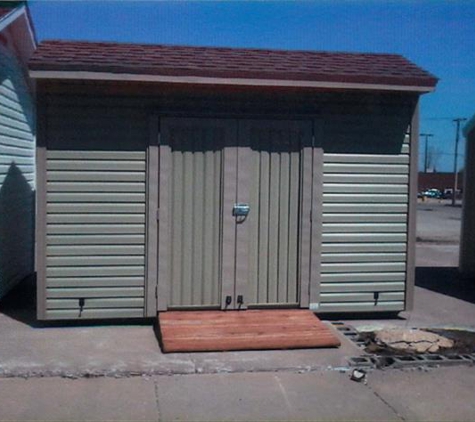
[241, 210]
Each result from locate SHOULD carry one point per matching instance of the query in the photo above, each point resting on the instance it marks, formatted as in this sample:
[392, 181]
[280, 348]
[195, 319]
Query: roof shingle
[217, 62]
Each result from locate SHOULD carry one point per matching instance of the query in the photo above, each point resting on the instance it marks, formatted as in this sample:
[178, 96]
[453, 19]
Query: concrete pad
[277, 360]
[122, 350]
[443, 394]
[431, 309]
[56, 399]
[78, 350]
[265, 396]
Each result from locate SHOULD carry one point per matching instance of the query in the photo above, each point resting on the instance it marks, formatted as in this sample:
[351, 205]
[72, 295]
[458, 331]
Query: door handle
[241, 210]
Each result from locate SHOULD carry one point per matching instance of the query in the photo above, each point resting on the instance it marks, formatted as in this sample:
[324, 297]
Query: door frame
[158, 173]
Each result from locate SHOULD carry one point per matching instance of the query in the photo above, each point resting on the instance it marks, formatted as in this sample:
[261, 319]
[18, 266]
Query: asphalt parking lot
[438, 233]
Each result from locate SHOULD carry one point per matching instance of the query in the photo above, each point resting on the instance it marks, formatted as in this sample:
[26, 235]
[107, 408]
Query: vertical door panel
[191, 252]
[273, 185]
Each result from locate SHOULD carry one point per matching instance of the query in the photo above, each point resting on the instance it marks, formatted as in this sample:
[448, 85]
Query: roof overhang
[11, 17]
[200, 80]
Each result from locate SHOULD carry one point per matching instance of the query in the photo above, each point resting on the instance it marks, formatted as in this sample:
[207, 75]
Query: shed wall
[17, 174]
[96, 212]
[364, 241]
[364, 209]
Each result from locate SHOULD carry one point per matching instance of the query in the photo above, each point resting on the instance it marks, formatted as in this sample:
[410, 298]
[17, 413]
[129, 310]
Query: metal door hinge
[156, 292]
[158, 214]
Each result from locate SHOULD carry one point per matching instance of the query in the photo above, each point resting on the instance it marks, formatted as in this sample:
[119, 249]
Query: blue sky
[437, 35]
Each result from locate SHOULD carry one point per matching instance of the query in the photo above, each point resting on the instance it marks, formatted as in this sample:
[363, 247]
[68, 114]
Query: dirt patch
[463, 343]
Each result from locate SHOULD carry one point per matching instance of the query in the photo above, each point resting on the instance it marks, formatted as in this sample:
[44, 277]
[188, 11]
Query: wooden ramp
[207, 331]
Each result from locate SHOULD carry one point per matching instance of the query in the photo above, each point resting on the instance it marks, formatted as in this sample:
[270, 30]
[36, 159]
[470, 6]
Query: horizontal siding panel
[362, 307]
[91, 261]
[363, 277]
[8, 88]
[382, 179]
[365, 168]
[363, 237]
[363, 267]
[96, 187]
[388, 189]
[95, 282]
[360, 297]
[366, 158]
[15, 133]
[95, 176]
[85, 165]
[362, 287]
[405, 149]
[97, 155]
[364, 228]
[363, 257]
[13, 114]
[364, 208]
[97, 292]
[355, 198]
[364, 218]
[14, 124]
[93, 127]
[95, 229]
[96, 240]
[19, 161]
[59, 314]
[95, 271]
[27, 173]
[98, 208]
[343, 248]
[95, 218]
[133, 302]
[18, 143]
[95, 250]
[95, 197]
[9, 102]
[15, 151]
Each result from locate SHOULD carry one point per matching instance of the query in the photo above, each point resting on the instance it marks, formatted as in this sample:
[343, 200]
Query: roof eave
[201, 80]
[11, 17]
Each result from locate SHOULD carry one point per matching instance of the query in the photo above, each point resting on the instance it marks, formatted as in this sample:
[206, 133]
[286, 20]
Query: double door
[235, 200]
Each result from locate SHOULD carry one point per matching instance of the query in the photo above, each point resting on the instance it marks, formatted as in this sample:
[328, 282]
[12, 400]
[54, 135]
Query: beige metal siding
[194, 207]
[17, 170]
[95, 234]
[274, 193]
[364, 250]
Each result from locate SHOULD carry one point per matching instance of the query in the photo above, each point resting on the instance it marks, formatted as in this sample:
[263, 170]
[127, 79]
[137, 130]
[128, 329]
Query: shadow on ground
[20, 305]
[446, 281]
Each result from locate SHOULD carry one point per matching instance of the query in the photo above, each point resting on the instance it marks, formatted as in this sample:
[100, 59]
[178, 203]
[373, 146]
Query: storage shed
[17, 146]
[178, 177]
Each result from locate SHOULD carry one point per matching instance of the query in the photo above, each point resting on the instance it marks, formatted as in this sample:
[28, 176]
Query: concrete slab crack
[157, 402]
[387, 403]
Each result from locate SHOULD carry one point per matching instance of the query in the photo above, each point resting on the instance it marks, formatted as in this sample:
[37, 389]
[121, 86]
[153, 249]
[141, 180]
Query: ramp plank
[207, 331]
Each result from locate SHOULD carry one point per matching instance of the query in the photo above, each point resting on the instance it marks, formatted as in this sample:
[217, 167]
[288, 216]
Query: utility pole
[426, 161]
[457, 135]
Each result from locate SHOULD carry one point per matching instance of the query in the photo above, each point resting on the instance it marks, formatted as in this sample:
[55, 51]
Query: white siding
[17, 174]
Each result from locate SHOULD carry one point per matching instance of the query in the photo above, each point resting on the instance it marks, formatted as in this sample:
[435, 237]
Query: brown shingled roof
[237, 63]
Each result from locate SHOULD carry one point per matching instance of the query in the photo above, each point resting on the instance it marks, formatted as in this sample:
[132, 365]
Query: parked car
[432, 193]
